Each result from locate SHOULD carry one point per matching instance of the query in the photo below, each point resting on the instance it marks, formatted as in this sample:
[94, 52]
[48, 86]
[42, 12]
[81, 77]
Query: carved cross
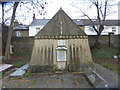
[61, 27]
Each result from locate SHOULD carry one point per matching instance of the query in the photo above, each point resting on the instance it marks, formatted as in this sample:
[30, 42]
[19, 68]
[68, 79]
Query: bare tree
[102, 10]
[101, 16]
[2, 12]
[10, 30]
[14, 7]
[30, 6]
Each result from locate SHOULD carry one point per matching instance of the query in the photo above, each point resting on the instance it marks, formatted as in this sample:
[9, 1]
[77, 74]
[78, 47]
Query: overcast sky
[69, 6]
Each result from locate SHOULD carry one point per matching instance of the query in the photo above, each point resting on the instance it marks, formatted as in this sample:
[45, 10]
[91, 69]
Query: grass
[21, 53]
[111, 67]
[18, 64]
[104, 52]
[27, 74]
[23, 56]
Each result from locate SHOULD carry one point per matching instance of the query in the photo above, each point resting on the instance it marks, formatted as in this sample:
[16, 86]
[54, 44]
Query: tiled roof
[21, 28]
[79, 22]
[43, 22]
[39, 22]
[107, 22]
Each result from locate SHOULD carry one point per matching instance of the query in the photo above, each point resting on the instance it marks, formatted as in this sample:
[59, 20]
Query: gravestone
[20, 71]
[95, 79]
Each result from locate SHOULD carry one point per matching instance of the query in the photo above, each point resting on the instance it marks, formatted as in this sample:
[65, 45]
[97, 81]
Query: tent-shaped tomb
[60, 45]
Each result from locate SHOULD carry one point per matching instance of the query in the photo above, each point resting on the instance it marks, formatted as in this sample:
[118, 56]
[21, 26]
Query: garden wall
[23, 44]
[105, 40]
[26, 43]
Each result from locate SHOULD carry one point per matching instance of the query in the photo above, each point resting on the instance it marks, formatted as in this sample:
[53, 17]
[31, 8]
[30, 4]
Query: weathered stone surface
[100, 79]
[77, 50]
[37, 80]
[3, 67]
[78, 54]
[41, 69]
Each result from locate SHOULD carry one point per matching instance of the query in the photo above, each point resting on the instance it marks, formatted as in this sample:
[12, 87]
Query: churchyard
[102, 56]
[61, 57]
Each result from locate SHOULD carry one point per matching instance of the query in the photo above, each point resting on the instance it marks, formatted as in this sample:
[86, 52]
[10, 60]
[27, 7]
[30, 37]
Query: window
[61, 50]
[61, 43]
[18, 33]
[37, 30]
[113, 29]
[106, 28]
[91, 29]
[61, 55]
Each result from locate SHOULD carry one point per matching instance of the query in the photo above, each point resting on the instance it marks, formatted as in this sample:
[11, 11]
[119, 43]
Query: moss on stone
[41, 69]
[78, 68]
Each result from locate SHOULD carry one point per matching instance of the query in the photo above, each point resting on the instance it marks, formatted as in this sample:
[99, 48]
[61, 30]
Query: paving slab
[111, 77]
[48, 81]
[62, 80]
[101, 77]
[11, 83]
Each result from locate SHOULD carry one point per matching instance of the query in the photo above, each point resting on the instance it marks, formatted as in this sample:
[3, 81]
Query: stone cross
[61, 27]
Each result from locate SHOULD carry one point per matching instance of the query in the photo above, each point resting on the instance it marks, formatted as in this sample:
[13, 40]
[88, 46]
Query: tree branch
[2, 12]
[93, 25]
[101, 12]
[98, 12]
[105, 12]
[8, 9]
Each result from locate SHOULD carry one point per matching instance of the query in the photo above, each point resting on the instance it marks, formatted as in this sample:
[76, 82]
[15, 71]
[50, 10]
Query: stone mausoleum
[60, 45]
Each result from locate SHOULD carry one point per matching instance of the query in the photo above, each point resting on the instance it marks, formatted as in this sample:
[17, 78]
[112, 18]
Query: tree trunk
[97, 42]
[10, 31]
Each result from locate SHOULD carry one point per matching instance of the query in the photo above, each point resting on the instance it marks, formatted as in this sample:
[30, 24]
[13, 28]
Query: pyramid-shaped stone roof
[61, 24]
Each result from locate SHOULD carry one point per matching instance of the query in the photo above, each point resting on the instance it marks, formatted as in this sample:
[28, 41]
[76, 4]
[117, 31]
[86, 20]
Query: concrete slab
[62, 80]
[3, 67]
[111, 77]
[25, 67]
[19, 72]
[95, 79]
[48, 81]
[101, 77]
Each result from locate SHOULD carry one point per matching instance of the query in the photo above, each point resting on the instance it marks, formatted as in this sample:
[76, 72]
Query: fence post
[111, 39]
